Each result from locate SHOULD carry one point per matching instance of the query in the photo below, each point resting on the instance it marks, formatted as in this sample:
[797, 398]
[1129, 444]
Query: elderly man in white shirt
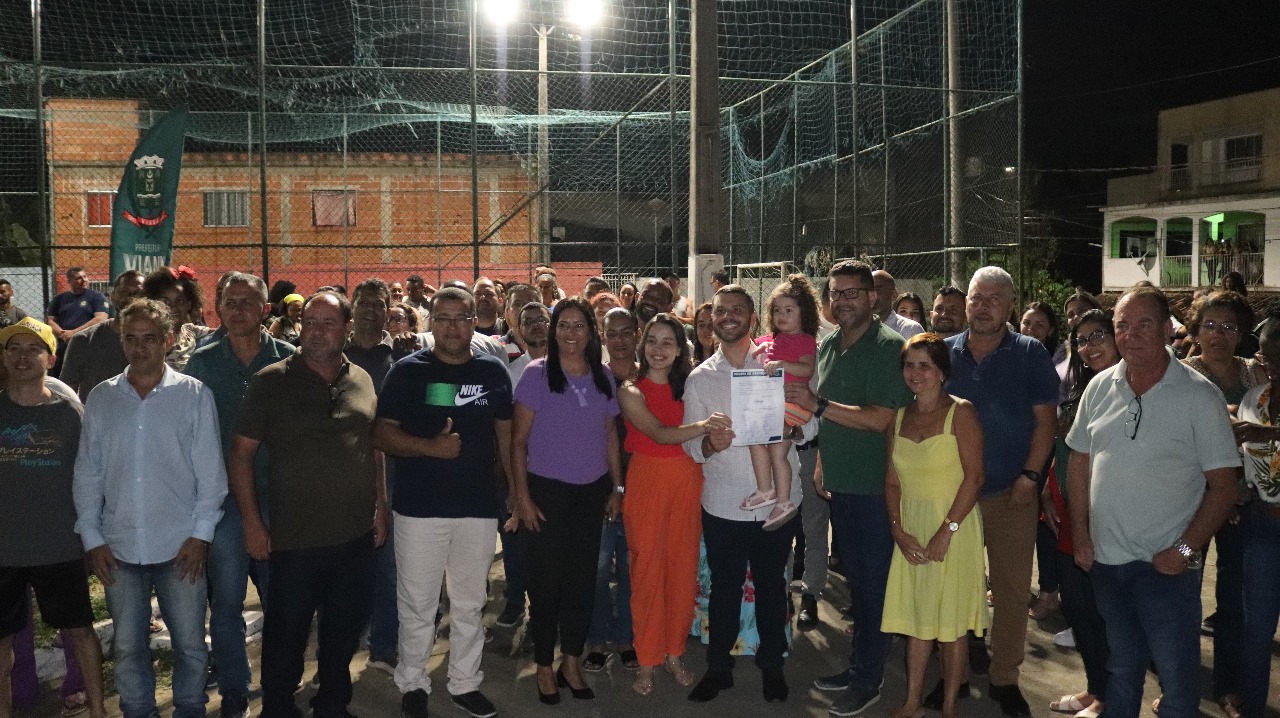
[735, 537]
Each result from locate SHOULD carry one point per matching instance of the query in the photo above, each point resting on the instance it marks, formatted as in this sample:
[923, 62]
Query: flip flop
[75, 704]
[1067, 704]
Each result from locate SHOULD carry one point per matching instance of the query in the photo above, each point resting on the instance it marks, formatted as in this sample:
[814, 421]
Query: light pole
[582, 13]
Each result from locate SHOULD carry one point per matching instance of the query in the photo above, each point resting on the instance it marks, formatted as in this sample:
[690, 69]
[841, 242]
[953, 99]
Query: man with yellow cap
[39, 548]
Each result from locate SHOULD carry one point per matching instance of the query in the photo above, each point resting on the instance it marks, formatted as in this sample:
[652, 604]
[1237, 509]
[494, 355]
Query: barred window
[98, 207]
[327, 208]
[226, 209]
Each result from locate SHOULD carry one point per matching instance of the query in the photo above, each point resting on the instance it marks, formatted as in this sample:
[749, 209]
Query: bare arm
[98, 318]
[968, 428]
[1025, 491]
[388, 436]
[613, 455]
[1078, 479]
[525, 509]
[804, 367]
[1216, 506]
[637, 412]
[502, 430]
[866, 418]
[908, 544]
[240, 473]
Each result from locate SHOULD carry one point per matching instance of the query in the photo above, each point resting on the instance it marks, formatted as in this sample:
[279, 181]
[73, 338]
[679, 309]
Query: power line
[1148, 83]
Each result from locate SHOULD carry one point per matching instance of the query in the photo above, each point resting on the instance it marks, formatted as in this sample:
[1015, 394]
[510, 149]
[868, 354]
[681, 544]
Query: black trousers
[338, 582]
[1081, 611]
[562, 563]
[732, 546]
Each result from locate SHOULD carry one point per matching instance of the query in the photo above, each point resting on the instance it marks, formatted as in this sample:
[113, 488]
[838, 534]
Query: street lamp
[582, 13]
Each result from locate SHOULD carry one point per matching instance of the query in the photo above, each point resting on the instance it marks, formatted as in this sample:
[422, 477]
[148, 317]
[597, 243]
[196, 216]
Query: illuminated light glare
[500, 12]
[584, 13]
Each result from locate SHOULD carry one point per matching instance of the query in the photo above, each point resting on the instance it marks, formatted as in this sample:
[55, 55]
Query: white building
[1211, 207]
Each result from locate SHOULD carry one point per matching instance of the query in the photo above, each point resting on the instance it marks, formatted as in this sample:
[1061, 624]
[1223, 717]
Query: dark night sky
[1077, 50]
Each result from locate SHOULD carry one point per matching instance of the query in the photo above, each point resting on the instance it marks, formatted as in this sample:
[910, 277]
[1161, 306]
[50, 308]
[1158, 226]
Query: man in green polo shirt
[860, 385]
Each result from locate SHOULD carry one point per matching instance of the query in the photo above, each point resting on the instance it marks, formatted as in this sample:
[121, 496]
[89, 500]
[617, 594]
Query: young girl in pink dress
[791, 314]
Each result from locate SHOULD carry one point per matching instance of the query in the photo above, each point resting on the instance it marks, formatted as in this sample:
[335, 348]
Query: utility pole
[704, 148]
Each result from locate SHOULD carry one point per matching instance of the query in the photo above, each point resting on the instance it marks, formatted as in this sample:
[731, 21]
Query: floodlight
[584, 13]
[500, 12]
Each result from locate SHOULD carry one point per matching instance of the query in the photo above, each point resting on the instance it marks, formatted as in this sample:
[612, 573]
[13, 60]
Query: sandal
[75, 704]
[675, 666]
[595, 661]
[783, 512]
[759, 500]
[1067, 704]
[630, 660]
[643, 683]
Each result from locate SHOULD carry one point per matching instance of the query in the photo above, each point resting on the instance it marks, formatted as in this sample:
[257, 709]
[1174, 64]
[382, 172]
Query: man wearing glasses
[314, 414]
[445, 415]
[1011, 381]
[1150, 483]
[859, 380]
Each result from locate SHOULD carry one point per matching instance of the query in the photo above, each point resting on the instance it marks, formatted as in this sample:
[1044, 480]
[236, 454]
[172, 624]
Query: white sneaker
[1065, 639]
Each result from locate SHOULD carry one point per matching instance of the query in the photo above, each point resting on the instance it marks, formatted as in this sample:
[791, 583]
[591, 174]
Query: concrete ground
[1048, 673]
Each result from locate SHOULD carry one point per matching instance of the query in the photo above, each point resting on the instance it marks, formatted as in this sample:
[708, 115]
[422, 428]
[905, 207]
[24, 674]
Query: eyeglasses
[457, 321]
[1224, 327]
[850, 293]
[1095, 338]
[335, 393]
[535, 322]
[1135, 418]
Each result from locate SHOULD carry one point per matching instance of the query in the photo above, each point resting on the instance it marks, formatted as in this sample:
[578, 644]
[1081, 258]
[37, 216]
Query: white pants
[426, 551]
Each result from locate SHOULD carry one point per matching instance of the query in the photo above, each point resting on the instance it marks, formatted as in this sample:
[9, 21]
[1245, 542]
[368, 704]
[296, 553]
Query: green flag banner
[142, 219]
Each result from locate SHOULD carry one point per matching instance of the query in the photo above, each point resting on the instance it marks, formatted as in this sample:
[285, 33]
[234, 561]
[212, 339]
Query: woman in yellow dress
[936, 590]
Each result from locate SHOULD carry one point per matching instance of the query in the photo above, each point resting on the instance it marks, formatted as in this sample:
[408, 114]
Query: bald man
[886, 293]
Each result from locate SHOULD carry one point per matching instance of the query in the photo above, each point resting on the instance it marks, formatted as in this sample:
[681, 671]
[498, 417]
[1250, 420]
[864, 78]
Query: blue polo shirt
[1004, 388]
[217, 367]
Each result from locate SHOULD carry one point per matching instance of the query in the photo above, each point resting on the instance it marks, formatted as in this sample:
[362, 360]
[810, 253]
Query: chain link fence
[337, 141]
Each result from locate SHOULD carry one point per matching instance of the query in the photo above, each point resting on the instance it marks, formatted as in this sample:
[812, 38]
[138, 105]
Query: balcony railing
[1175, 271]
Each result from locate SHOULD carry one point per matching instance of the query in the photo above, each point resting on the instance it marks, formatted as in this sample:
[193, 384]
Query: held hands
[938, 545]
[528, 514]
[718, 439]
[798, 393]
[191, 559]
[101, 562]
[909, 546]
[445, 445]
[716, 422]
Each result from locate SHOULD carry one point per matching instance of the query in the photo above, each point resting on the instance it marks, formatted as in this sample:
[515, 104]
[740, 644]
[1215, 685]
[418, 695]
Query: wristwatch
[1033, 475]
[1194, 559]
[620, 489]
[952, 526]
[823, 403]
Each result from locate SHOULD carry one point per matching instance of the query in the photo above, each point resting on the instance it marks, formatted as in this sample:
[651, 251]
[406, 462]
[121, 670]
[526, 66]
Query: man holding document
[735, 537]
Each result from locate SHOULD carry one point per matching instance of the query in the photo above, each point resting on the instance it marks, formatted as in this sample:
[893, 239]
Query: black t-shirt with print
[422, 393]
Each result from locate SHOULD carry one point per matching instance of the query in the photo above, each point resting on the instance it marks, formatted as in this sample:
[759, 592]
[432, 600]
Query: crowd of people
[358, 455]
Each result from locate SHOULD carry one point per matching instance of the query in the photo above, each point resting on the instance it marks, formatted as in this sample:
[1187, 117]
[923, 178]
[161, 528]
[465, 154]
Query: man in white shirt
[886, 293]
[735, 537]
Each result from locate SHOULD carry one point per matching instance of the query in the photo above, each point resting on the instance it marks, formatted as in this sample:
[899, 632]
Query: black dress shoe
[775, 685]
[979, 658]
[933, 701]
[582, 694]
[1011, 701]
[807, 619]
[710, 686]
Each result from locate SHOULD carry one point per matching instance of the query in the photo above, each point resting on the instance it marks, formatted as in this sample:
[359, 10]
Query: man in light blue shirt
[149, 485]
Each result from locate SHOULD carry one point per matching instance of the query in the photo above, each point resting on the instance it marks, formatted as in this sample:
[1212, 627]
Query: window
[226, 209]
[1179, 158]
[330, 207]
[1233, 159]
[98, 208]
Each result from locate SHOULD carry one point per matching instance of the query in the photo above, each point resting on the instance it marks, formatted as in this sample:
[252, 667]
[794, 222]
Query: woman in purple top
[566, 474]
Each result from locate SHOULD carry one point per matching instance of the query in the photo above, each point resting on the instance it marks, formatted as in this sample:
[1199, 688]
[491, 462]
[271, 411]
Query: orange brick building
[404, 212]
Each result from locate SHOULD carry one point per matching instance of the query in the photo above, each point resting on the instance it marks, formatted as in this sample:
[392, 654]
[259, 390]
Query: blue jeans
[611, 617]
[1261, 605]
[337, 581]
[229, 569]
[182, 604]
[861, 525]
[515, 564]
[1150, 617]
[384, 625]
